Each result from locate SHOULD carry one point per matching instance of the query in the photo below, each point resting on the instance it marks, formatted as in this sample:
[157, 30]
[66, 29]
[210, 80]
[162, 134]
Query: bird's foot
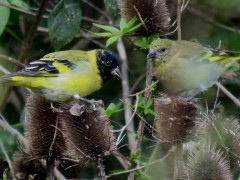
[55, 109]
[93, 103]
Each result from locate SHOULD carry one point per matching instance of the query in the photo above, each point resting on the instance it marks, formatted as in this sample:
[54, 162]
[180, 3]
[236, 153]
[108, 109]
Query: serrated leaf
[19, 3]
[103, 34]
[64, 22]
[4, 15]
[107, 28]
[111, 40]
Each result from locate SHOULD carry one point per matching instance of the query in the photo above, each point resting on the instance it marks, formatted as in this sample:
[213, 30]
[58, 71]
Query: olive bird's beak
[117, 72]
[151, 54]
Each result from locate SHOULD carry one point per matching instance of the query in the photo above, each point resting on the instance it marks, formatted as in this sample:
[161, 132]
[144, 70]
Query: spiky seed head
[41, 129]
[25, 167]
[225, 132]
[86, 130]
[203, 161]
[154, 13]
[175, 117]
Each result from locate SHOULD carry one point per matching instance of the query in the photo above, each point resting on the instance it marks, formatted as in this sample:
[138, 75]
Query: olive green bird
[67, 75]
[184, 65]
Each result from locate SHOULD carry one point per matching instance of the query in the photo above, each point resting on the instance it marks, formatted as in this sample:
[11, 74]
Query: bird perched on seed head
[65, 75]
[184, 65]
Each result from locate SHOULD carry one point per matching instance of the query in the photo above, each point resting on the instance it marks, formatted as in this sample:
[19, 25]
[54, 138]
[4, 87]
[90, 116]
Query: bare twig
[144, 166]
[98, 9]
[202, 16]
[146, 89]
[228, 93]
[141, 126]
[125, 86]
[4, 70]
[20, 10]
[179, 14]
[8, 160]
[4, 124]
[7, 58]
[25, 48]
[92, 40]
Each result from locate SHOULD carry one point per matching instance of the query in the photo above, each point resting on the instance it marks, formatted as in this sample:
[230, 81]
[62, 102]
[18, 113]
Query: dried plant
[87, 132]
[225, 132]
[175, 117]
[40, 129]
[26, 167]
[154, 14]
[204, 162]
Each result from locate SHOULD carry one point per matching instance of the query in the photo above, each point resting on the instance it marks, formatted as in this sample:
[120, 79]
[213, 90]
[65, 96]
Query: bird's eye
[108, 63]
[163, 50]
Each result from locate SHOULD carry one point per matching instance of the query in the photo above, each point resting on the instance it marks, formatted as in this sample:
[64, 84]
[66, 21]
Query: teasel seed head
[175, 117]
[87, 132]
[41, 129]
[225, 132]
[154, 14]
[204, 162]
[25, 167]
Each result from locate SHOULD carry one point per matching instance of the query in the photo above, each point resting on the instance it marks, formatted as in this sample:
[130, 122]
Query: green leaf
[19, 3]
[4, 14]
[111, 40]
[64, 22]
[123, 24]
[153, 37]
[130, 24]
[107, 28]
[112, 109]
[103, 34]
[134, 28]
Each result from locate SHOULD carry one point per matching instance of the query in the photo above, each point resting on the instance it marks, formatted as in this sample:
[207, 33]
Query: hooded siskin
[185, 65]
[61, 75]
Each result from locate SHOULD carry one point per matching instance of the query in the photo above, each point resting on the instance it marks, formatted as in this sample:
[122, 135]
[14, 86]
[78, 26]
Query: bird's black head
[107, 64]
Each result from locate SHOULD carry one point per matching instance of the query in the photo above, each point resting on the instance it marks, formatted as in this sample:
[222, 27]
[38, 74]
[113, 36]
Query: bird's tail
[6, 78]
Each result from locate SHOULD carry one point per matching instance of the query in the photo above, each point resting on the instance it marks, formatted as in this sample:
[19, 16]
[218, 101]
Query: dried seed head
[25, 167]
[87, 132]
[205, 162]
[225, 132]
[175, 117]
[40, 129]
[154, 14]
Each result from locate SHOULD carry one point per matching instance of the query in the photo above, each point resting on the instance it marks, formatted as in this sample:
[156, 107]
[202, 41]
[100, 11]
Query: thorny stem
[50, 168]
[125, 87]
[141, 126]
[102, 173]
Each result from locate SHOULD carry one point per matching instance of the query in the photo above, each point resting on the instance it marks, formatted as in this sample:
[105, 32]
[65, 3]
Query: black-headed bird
[67, 75]
[185, 65]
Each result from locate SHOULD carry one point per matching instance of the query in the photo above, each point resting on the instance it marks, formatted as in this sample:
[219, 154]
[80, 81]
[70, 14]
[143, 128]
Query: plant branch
[8, 160]
[179, 14]
[12, 60]
[125, 87]
[25, 47]
[228, 93]
[144, 166]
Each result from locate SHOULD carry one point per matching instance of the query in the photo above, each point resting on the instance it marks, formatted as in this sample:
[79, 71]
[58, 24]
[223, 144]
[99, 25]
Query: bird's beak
[151, 54]
[117, 72]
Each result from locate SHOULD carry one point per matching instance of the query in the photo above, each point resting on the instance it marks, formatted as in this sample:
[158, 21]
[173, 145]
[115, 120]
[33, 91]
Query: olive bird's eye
[108, 63]
[163, 50]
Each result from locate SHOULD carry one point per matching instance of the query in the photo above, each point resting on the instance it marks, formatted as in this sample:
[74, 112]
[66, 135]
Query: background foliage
[67, 24]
